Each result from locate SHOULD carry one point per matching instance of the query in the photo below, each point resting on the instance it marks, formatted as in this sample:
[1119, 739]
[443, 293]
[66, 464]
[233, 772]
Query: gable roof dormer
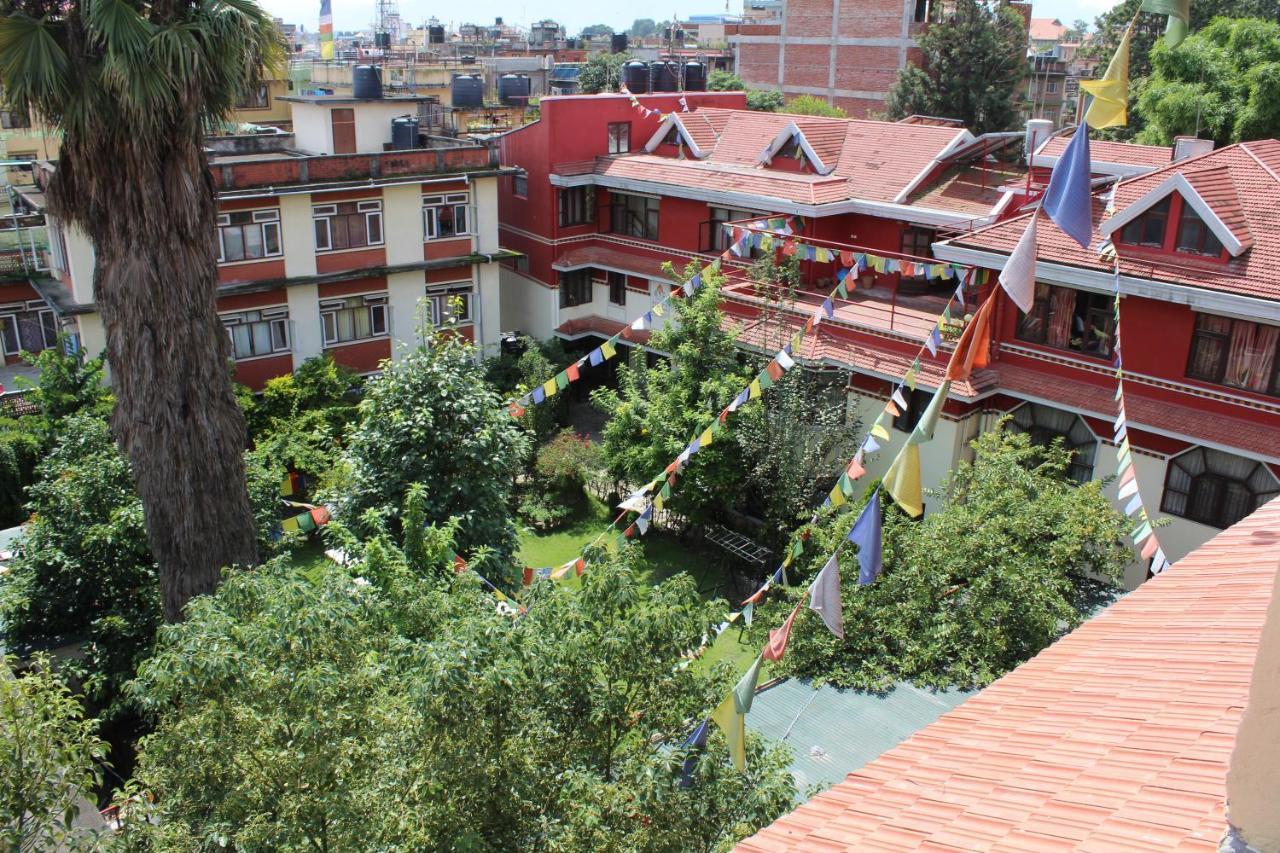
[1209, 192]
[673, 122]
[790, 133]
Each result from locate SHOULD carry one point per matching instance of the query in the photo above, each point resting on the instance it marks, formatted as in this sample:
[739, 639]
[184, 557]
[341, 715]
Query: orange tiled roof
[1048, 29]
[1254, 169]
[1219, 192]
[1116, 737]
[600, 326]
[611, 258]
[1103, 151]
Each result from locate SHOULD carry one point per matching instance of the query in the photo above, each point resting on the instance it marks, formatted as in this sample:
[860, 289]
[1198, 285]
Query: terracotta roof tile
[1218, 190]
[1123, 153]
[1115, 774]
[1256, 182]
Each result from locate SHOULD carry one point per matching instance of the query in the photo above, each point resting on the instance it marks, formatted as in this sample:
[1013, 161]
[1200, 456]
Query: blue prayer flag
[693, 744]
[539, 395]
[1068, 201]
[828, 309]
[867, 535]
[596, 358]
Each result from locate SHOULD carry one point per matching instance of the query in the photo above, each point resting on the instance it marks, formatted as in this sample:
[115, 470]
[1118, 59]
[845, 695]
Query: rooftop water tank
[514, 89]
[635, 76]
[695, 77]
[366, 82]
[468, 90]
[435, 35]
[618, 43]
[664, 76]
[404, 133]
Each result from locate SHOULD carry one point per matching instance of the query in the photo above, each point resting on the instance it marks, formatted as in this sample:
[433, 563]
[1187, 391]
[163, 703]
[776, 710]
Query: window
[353, 318]
[634, 215]
[449, 303]
[248, 235]
[618, 288]
[1070, 319]
[921, 12]
[14, 120]
[577, 205]
[917, 402]
[1149, 228]
[673, 136]
[255, 333]
[717, 238]
[1051, 87]
[347, 225]
[1194, 236]
[1046, 425]
[918, 242]
[619, 137]
[520, 185]
[575, 288]
[27, 328]
[257, 99]
[445, 215]
[791, 148]
[1236, 353]
[1216, 488]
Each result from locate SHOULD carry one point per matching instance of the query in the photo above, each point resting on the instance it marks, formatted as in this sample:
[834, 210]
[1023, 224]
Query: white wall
[527, 306]
[312, 131]
[298, 238]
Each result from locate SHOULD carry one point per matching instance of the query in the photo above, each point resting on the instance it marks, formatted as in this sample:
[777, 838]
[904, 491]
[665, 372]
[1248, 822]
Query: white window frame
[438, 298]
[267, 218]
[431, 206]
[324, 213]
[278, 329]
[374, 303]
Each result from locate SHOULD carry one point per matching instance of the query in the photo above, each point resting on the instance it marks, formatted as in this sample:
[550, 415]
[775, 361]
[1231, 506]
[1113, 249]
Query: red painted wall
[361, 356]
[350, 259]
[256, 372]
[250, 301]
[333, 289]
[251, 270]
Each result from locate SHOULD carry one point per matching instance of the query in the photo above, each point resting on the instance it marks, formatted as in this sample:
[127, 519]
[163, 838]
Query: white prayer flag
[824, 596]
[1018, 278]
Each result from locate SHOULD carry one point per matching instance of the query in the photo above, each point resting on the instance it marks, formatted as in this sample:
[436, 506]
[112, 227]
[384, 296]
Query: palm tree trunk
[149, 208]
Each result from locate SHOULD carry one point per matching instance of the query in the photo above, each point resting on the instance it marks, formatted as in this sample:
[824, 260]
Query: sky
[574, 14]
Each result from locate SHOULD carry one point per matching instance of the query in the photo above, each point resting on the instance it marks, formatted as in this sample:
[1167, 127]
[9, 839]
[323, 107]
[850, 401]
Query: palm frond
[117, 27]
[34, 70]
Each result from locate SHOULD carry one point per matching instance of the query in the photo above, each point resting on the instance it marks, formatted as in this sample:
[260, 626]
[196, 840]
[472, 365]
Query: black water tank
[435, 35]
[635, 76]
[382, 40]
[404, 133]
[664, 76]
[514, 89]
[366, 82]
[618, 43]
[695, 77]
[571, 44]
[468, 90]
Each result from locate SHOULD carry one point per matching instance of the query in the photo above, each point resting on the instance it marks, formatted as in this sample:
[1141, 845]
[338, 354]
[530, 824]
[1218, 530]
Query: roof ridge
[1244, 146]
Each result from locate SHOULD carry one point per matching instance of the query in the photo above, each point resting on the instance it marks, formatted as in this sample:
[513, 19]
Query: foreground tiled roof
[605, 257]
[1254, 171]
[1117, 737]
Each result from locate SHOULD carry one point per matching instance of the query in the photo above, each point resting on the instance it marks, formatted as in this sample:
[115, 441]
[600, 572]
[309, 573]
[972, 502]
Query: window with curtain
[353, 318]
[1216, 488]
[258, 333]
[1238, 353]
[1070, 319]
[1045, 425]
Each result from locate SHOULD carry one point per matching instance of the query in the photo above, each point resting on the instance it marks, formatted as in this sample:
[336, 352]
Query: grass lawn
[664, 556]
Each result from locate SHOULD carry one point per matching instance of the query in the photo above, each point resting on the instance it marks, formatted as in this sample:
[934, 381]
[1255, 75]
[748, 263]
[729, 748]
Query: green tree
[974, 61]
[973, 589]
[50, 760]
[516, 375]
[602, 73]
[656, 411]
[83, 571]
[764, 100]
[555, 492]
[372, 708]
[812, 105]
[130, 85]
[1222, 82]
[643, 28]
[430, 418]
[596, 30]
[724, 81]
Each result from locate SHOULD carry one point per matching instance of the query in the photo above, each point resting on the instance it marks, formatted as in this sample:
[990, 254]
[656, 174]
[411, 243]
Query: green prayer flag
[562, 380]
[765, 380]
[745, 691]
[929, 420]
[1179, 12]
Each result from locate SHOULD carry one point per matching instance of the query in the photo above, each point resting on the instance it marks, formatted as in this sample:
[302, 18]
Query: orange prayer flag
[1150, 547]
[774, 370]
[572, 370]
[855, 469]
[777, 645]
[973, 350]
[892, 409]
[579, 565]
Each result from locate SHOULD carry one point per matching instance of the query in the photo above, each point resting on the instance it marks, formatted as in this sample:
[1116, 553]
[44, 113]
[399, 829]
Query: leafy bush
[764, 100]
[973, 589]
[555, 493]
[812, 105]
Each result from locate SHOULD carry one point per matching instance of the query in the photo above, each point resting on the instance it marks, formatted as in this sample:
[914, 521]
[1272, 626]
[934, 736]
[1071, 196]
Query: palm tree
[132, 84]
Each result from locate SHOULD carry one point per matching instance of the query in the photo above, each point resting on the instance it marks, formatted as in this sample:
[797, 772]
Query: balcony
[880, 303]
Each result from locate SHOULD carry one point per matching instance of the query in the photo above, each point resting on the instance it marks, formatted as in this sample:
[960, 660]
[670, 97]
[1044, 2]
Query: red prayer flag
[630, 531]
[892, 409]
[572, 370]
[459, 564]
[528, 575]
[1149, 548]
[974, 347]
[320, 516]
[775, 370]
[1126, 476]
[579, 565]
[846, 258]
[789, 248]
[517, 410]
[777, 645]
[855, 470]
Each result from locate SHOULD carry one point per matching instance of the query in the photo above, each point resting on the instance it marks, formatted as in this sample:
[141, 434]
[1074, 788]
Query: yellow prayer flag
[608, 350]
[902, 480]
[706, 438]
[1111, 93]
[549, 387]
[879, 431]
[734, 726]
[753, 389]
[658, 502]
[837, 496]
[290, 525]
